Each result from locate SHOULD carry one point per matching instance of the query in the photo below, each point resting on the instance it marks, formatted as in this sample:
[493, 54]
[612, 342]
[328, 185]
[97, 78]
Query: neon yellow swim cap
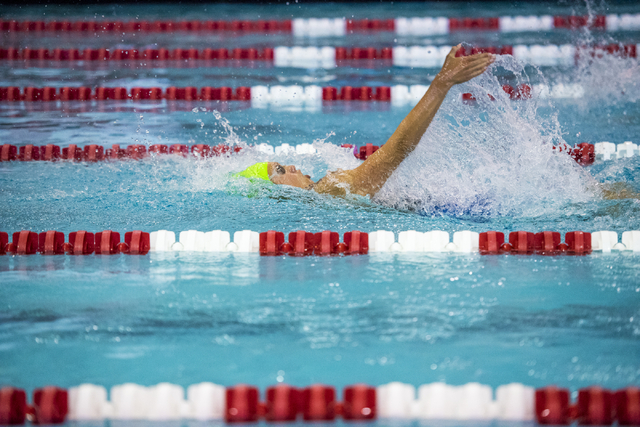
[259, 170]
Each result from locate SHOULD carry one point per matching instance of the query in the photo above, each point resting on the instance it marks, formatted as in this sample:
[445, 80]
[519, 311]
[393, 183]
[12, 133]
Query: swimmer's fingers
[480, 63]
[477, 70]
[471, 58]
[474, 71]
[462, 69]
[454, 50]
[482, 58]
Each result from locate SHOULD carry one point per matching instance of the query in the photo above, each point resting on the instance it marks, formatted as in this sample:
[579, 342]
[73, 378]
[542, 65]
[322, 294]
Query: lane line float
[324, 243]
[584, 153]
[360, 402]
[312, 56]
[310, 97]
[338, 27]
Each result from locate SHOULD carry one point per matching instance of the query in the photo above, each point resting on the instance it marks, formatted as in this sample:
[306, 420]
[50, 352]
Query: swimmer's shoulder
[335, 183]
[344, 182]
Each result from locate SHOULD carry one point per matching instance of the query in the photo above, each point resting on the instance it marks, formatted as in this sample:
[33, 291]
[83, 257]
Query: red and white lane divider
[434, 56]
[325, 243]
[302, 243]
[53, 242]
[242, 403]
[309, 97]
[586, 154]
[583, 153]
[98, 153]
[317, 57]
[611, 151]
[89, 27]
[338, 27]
[259, 96]
[34, 94]
[130, 54]
[424, 26]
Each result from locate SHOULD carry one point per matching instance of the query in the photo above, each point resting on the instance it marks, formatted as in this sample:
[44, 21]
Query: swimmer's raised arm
[370, 176]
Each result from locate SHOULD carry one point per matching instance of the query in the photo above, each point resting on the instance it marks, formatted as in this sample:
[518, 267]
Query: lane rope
[324, 243]
[243, 403]
[323, 27]
[310, 97]
[584, 153]
[313, 56]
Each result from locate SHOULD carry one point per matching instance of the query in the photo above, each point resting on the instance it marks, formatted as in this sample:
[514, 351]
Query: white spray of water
[607, 79]
[214, 173]
[232, 138]
[491, 158]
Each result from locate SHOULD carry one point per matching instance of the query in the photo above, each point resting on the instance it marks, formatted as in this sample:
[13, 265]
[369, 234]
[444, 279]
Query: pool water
[240, 318]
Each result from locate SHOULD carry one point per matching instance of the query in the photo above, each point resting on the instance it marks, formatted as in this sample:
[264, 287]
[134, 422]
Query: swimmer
[368, 178]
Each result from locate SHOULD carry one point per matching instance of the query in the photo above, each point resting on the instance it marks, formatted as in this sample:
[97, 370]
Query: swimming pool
[230, 318]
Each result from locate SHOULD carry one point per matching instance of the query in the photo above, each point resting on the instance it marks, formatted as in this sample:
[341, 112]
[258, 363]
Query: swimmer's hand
[464, 68]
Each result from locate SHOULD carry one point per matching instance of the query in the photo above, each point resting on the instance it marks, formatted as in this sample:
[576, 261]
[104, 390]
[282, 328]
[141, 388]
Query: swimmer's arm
[618, 190]
[370, 176]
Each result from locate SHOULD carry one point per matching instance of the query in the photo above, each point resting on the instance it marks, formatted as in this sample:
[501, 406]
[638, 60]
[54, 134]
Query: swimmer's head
[288, 175]
[257, 171]
[277, 174]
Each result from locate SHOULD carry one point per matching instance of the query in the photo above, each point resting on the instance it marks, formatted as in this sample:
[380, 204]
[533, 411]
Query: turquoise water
[186, 318]
[241, 318]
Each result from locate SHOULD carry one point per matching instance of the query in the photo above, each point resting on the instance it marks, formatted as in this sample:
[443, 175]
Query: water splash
[608, 78]
[231, 138]
[491, 158]
[215, 173]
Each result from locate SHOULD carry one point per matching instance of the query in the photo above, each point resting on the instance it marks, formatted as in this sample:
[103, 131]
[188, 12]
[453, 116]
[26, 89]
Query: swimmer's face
[288, 175]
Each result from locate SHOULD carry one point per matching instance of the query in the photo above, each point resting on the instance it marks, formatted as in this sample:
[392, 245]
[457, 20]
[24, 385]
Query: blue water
[242, 318]
[231, 318]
